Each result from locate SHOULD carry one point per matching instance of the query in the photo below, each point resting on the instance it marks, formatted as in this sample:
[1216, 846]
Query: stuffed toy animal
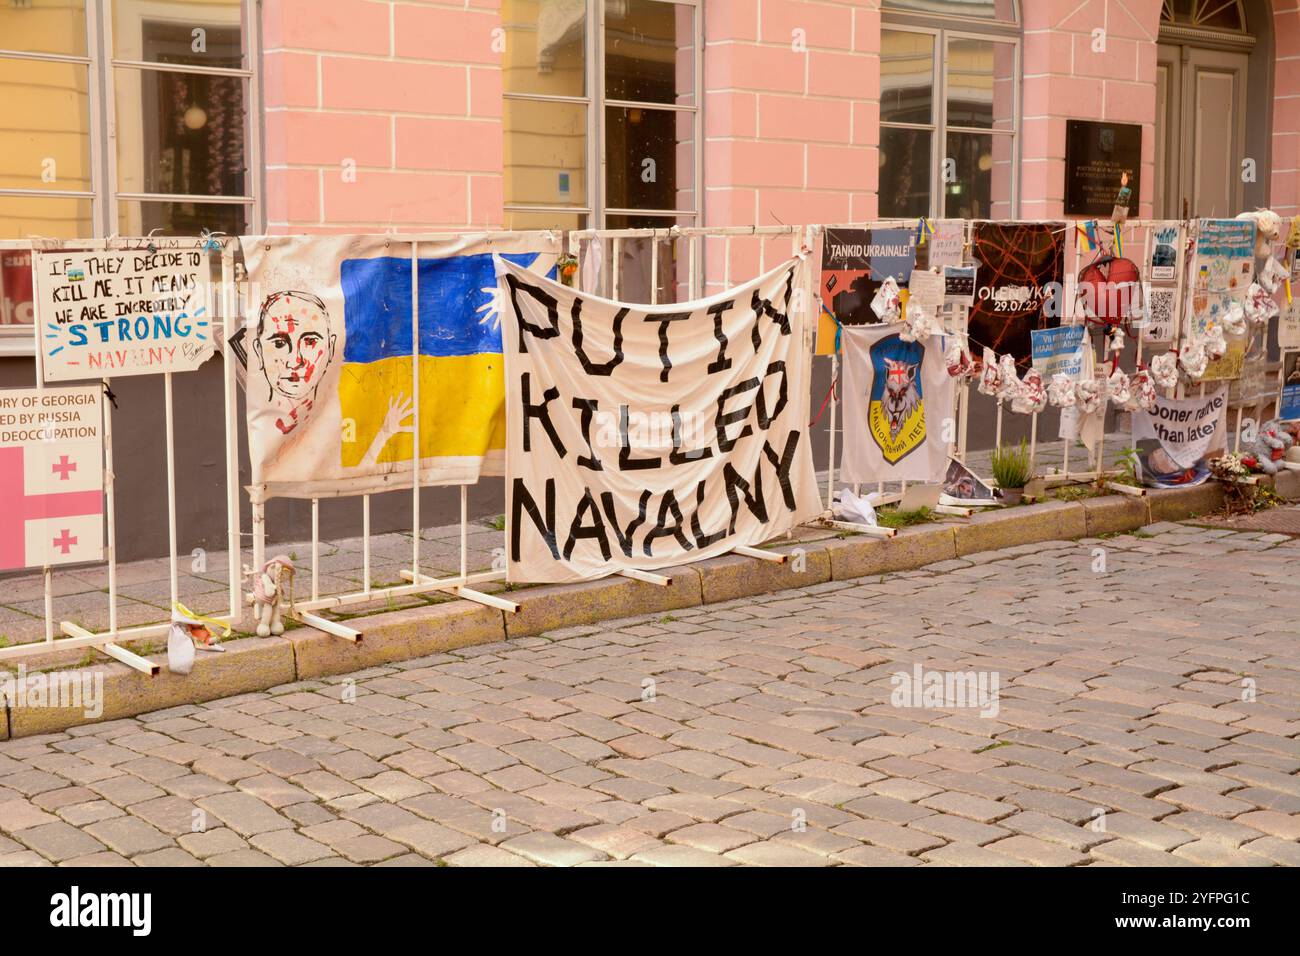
[1268, 228]
[1268, 450]
[272, 592]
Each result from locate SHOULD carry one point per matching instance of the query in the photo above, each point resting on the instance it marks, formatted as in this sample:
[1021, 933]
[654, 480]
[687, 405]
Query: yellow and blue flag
[461, 384]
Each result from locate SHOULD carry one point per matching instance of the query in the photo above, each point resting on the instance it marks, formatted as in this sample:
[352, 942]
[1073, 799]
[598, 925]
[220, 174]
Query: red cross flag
[51, 476]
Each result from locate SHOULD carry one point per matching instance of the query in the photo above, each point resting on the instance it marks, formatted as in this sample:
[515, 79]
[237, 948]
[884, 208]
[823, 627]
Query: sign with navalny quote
[122, 312]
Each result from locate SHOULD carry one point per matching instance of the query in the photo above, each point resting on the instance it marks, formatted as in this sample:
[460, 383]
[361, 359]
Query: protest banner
[122, 312]
[332, 382]
[51, 476]
[898, 402]
[854, 264]
[1017, 285]
[1173, 442]
[641, 437]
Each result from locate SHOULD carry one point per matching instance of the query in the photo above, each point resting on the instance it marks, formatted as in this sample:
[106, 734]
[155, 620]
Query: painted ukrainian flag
[461, 369]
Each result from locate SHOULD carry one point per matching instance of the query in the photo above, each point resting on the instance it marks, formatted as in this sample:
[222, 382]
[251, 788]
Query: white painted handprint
[399, 409]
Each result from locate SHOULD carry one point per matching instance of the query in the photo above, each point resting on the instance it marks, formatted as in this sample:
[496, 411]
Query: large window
[121, 117]
[949, 78]
[601, 113]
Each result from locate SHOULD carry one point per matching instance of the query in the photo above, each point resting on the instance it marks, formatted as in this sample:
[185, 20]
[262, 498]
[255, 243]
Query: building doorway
[1211, 153]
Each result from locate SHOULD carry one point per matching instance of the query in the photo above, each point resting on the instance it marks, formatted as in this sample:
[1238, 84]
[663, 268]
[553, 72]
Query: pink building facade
[381, 114]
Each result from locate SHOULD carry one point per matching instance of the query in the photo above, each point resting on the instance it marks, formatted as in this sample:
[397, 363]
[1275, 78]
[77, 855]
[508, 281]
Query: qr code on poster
[1159, 326]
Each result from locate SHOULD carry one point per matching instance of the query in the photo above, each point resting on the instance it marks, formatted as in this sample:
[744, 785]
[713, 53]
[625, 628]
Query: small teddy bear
[1268, 450]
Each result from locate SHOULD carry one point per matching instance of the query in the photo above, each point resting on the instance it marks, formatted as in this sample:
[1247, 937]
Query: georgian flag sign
[51, 476]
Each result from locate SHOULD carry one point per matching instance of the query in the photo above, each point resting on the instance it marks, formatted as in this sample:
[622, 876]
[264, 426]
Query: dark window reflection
[904, 172]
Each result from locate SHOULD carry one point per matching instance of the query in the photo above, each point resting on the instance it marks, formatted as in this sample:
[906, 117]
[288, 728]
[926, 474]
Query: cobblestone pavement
[1145, 713]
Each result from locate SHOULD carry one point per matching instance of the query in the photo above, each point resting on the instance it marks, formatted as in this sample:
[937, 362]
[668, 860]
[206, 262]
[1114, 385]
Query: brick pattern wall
[791, 115]
[409, 92]
[1284, 188]
[1065, 78]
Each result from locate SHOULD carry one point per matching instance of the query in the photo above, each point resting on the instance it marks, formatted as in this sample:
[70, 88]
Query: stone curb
[255, 664]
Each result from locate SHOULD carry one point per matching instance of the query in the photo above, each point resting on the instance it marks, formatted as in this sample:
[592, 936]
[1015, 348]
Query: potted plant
[1011, 470]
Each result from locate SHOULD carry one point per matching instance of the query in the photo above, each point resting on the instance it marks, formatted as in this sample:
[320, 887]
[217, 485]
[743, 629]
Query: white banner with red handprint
[898, 404]
[353, 348]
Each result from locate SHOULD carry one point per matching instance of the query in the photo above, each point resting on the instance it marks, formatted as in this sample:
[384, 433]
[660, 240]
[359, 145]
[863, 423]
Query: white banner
[898, 407]
[1173, 442]
[333, 391]
[122, 312]
[647, 436]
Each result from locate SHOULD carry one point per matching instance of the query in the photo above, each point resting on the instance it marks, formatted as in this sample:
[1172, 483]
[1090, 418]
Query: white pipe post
[830, 464]
[110, 505]
[171, 487]
[315, 548]
[464, 531]
[47, 573]
[234, 552]
[654, 270]
[365, 543]
[615, 274]
[415, 391]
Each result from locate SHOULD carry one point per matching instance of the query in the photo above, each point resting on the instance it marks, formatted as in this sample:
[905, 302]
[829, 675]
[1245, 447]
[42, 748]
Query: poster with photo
[961, 486]
[1164, 252]
[1017, 284]
[1175, 440]
[1288, 403]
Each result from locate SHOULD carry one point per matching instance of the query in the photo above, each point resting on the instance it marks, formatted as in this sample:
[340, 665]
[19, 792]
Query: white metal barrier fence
[669, 265]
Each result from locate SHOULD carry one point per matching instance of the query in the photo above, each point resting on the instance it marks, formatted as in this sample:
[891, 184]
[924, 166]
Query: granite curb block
[732, 576]
[911, 548]
[245, 667]
[553, 606]
[256, 664]
[1114, 514]
[394, 636]
[1049, 521]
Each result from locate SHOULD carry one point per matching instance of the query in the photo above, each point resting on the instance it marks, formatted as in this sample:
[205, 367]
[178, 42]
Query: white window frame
[941, 30]
[104, 195]
[594, 101]
[250, 37]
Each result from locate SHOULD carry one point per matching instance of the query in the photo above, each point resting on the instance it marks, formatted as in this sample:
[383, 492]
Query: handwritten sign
[122, 312]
